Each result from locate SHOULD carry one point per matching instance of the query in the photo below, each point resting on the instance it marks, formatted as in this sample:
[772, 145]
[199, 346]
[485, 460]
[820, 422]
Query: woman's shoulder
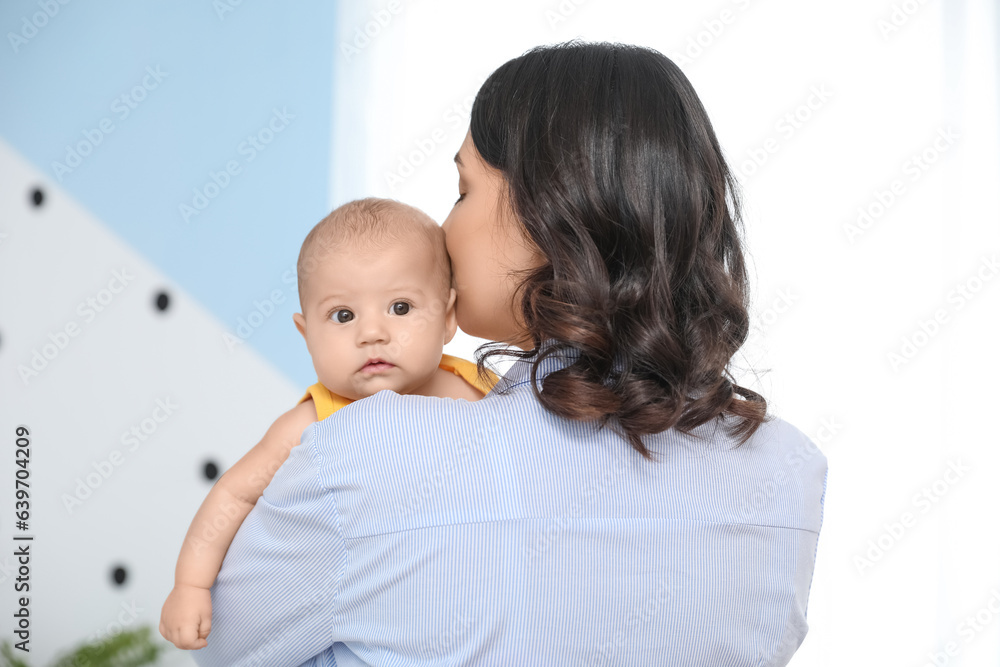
[791, 441]
[775, 434]
[391, 416]
[790, 460]
[396, 462]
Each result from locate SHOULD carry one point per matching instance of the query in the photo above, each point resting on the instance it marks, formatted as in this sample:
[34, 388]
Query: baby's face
[386, 304]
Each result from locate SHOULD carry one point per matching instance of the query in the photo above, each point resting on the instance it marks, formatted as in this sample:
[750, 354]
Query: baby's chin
[394, 382]
[372, 386]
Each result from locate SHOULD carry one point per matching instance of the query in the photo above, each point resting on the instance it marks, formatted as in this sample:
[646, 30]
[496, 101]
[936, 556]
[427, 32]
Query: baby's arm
[186, 616]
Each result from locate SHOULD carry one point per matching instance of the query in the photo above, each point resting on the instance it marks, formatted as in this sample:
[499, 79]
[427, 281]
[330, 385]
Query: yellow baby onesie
[328, 402]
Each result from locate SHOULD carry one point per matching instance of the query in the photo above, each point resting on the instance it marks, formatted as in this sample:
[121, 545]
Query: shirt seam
[317, 458]
[765, 659]
[616, 518]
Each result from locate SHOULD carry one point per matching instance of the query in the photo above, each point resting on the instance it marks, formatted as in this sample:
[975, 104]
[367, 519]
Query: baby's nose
[374, 329]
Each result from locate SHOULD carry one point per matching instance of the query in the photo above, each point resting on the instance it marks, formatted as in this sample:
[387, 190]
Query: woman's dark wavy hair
[615, 173]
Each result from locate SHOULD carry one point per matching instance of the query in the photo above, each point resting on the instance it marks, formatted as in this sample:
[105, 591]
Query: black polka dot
[118, 575]
[37, 197]
[162, 301]
[211, 471]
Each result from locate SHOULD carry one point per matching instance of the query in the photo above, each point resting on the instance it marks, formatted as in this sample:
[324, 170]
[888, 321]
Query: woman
[612, 500]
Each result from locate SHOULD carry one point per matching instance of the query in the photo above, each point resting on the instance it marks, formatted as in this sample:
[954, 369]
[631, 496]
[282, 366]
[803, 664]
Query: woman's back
[584, 552]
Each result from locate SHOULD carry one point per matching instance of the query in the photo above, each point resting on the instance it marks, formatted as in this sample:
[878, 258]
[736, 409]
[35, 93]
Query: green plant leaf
[9, 659]
[129, 648]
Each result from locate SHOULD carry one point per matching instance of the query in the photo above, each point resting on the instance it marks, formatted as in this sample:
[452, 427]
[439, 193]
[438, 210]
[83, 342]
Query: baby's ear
[300, 323]
[450, 317]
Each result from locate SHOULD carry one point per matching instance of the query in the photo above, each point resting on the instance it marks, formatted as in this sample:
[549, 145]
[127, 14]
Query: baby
[378, 307]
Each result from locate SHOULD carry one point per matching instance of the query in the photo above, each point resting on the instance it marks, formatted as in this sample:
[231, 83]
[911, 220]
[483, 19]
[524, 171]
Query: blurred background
[161, 163]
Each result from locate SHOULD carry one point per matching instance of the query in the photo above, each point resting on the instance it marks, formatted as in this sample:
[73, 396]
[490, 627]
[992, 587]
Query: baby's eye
[400, 308]
[343, 320]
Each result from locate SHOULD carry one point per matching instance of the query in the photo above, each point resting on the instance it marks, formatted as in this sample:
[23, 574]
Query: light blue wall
[222, 76]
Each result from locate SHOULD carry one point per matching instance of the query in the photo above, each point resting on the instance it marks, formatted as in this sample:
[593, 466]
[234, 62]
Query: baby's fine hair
[369, 225]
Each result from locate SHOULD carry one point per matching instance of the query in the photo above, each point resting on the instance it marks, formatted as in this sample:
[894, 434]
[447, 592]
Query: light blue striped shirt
[414, 530]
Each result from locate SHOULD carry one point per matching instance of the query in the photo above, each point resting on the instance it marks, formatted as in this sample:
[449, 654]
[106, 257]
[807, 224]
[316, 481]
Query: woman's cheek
[466, 313]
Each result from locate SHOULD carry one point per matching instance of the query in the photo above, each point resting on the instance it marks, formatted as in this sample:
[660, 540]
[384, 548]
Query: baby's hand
[186, 618]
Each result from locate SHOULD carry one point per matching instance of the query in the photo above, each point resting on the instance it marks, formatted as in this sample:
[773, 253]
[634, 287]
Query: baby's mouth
[376, 366]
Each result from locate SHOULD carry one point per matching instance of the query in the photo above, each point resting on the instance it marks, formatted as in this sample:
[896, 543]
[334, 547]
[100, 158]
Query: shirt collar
[519, 374]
